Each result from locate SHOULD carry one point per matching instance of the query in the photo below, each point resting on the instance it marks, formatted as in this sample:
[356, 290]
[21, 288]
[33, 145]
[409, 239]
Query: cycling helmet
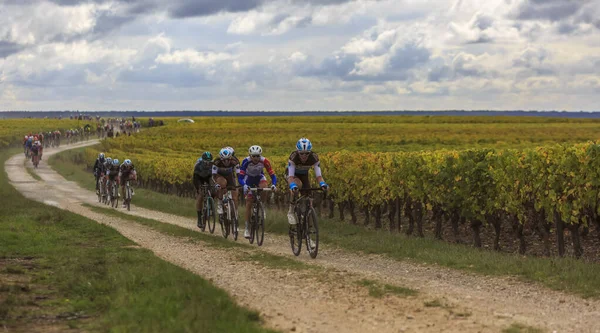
[303, 145]
[255, 150]
[101, 156]
[108, 160]
[127, 162]
[115, 162]
[225, 153]
[231, 149]
[207, 156]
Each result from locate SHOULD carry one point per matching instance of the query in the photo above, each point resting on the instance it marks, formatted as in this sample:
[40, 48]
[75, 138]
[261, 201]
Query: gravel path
[330, 300]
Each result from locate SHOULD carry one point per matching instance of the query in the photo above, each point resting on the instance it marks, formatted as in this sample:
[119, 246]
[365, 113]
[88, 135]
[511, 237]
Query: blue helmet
[127, 162]
[115, 162]
[303, 145]
[225, 153]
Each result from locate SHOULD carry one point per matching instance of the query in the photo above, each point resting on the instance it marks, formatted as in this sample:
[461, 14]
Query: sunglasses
[303, 154]
[254, 156]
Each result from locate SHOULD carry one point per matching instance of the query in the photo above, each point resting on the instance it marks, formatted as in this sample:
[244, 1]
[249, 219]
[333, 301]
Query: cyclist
[112, 173]
[126, 172]
[300, 162]
[41, 139]
[29, 142]
[252, 175]
[99, 169]
[222, 173]
[202, 175]
[35, 151]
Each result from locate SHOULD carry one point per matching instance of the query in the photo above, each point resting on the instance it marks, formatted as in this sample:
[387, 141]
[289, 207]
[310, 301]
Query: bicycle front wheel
[212, 219]
[234, 220]
[296, 235]
[259, 227]
[224, 222]
[312, 233]
[128, 198]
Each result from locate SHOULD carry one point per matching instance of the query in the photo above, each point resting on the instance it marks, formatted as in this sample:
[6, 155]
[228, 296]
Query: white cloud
[193, 58]
[353, 54]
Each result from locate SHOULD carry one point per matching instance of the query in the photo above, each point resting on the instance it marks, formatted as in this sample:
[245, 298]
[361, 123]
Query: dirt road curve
[330, 300]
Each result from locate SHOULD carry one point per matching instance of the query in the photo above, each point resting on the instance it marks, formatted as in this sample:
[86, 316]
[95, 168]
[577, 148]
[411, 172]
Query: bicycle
[128, 195]
[229, 219]
[208, 210]
[101, 189]
[307, 226]
[257, 219]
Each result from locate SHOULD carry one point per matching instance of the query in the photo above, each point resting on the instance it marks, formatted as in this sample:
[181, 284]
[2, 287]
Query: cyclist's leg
[291, 215]
[263, 184]
[234, 193]
[219, 194]
[249, 203]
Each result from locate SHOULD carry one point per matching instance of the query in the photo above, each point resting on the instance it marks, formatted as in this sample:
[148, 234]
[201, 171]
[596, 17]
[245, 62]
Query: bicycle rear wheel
[259, 227]
[99, 190]
[296, 234]
[312, 233]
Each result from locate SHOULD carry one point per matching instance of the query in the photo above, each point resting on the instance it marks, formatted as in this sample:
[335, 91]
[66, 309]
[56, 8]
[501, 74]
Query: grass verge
[61, 271]
[564, 274]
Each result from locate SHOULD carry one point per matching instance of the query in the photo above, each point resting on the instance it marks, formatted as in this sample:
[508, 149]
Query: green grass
[81, 274]
[379, 290]
[519, 328]
[564, 274]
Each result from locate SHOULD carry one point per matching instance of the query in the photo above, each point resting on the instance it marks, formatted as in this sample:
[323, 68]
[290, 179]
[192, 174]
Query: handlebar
[258, 189]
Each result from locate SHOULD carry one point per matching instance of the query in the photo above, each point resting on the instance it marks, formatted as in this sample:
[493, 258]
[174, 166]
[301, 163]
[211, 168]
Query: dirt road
[330, 299]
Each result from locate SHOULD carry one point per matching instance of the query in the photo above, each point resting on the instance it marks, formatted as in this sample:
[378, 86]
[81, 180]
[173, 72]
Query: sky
[294, 55]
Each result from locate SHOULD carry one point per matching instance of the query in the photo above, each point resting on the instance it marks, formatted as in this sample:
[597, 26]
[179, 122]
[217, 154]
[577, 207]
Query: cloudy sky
[299, 54]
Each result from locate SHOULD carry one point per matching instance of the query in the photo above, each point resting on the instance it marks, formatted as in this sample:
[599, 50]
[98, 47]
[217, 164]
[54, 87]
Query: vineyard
[388, 170]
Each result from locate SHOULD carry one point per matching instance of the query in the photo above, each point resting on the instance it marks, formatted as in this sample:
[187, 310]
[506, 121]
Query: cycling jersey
[252, 173]
[202, 174]
[99, 165]
[296, 167]
[35, 149]
[126, 170]
[112, 172]
[220, 167]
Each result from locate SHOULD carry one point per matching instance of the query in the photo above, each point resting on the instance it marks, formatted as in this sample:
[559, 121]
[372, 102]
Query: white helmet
[255, 150]
[231, 150]
[303, 144]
